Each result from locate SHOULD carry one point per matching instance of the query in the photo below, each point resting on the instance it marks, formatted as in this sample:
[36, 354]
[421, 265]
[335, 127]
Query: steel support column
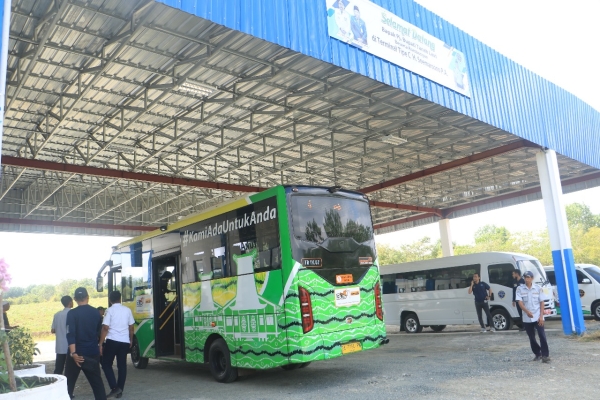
[560, 243]
[446, 237]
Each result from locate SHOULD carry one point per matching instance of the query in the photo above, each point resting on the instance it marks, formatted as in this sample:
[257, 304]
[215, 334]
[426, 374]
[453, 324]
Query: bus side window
[216, 264]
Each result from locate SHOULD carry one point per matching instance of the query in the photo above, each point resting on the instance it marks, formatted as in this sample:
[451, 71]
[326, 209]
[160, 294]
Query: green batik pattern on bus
[242, 309]
[332, 324]
[256, 337]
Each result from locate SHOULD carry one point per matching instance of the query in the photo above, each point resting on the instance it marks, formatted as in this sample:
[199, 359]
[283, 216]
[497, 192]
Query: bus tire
[219, 362]
[411, 324]
[137, 360]
[501, 321]
[596, 310]
[304, 365]
[437, 328]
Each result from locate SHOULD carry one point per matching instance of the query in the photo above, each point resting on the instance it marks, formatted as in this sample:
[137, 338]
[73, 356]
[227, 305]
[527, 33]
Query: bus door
[114, 279]
[167, 310]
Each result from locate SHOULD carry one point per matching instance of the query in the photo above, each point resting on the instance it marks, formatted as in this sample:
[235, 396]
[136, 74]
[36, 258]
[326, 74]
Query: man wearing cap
[83, 329]
[531, 300]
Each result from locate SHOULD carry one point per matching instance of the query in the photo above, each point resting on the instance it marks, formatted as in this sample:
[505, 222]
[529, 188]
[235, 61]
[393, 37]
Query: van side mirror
[99, 284]
[586, 280]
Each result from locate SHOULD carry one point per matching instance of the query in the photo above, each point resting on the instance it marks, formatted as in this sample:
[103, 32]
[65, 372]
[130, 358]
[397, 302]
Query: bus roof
[200, 216]
[221, 208]
[453, 261]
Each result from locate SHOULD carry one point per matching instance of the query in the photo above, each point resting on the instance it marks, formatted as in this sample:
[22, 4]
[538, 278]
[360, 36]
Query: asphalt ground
[457, 363]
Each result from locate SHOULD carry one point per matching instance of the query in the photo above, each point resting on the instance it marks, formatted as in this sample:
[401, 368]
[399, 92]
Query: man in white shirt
[59, 328]
[531, 300]
[117, 329]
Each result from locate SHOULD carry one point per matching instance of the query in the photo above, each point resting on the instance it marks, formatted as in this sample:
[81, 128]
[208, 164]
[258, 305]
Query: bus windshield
[539, 275]
[334, 232]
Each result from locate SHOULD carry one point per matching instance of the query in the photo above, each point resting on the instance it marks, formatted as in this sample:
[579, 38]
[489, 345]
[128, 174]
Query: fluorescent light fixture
[196, 88]
[393, 140]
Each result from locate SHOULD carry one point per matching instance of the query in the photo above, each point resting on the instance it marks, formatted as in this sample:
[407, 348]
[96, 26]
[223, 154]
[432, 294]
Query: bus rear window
[332, 235]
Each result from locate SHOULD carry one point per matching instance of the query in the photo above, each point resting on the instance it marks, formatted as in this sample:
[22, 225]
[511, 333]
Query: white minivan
[434, 293]
[588, 279]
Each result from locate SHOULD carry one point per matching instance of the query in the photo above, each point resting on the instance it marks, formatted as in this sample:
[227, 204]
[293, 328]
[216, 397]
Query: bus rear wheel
[411, 324]
[219, 361]
[137, 360]
[437, 328]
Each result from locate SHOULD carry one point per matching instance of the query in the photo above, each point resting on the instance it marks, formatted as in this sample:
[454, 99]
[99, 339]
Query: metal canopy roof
[122, 116]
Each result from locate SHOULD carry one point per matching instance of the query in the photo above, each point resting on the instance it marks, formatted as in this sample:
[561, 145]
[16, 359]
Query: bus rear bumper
[324, 346]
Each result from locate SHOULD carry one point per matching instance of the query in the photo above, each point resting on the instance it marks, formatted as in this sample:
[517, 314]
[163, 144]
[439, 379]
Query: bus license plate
[351, 347]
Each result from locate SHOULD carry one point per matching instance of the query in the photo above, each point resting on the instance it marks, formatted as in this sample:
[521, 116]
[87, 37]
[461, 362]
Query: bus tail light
[308, 322]
[378, 308]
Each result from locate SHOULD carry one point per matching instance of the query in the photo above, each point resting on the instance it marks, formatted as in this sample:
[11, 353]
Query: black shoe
[116, 392]
[546, 360]
[537, 358]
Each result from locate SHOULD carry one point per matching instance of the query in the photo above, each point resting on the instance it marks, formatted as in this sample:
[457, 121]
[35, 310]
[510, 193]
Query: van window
[388, 284]
[434, 279]
[594, 272]
[581, 276]
[501, 274]
[551, 277]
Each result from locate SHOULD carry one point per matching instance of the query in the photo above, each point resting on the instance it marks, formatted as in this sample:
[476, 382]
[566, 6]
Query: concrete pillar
[446, 238]
[560, 243]
[4, 28]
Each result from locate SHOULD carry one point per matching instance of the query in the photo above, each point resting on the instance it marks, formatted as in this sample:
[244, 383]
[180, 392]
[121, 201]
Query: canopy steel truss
[132, 114]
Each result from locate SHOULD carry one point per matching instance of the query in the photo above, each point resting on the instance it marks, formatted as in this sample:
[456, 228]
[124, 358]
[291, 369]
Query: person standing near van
[517, 281]
[482, 292]
[531, 300]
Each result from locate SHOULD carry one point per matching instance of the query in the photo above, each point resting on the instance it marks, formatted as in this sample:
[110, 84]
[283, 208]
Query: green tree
[580, 216]
[492, 238]
[389, 255]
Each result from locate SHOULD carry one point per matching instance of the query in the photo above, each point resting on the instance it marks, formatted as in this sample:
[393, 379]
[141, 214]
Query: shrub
[22, 348]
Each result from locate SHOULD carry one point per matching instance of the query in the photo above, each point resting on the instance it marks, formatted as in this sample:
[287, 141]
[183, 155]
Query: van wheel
[137, 360]
[596, 310]
[437, 328]
[501, 320]
[219, 362]
[411, 324]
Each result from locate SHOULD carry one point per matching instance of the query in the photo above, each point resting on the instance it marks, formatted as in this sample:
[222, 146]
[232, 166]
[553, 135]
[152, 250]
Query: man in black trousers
[517, 281]
[83, 329]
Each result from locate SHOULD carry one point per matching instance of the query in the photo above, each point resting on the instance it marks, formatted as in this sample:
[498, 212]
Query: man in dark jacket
[83, 330]
[517, 280]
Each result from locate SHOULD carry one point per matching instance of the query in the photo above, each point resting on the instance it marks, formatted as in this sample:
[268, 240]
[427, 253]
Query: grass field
[37, 317]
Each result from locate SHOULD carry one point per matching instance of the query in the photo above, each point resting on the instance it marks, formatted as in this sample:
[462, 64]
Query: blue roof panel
[503, 93]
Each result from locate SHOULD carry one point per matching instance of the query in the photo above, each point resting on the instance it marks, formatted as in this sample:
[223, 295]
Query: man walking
[517, 281]
[482, 292]
[117, 329]
[531, 300]
[83, 328]
[59, 328]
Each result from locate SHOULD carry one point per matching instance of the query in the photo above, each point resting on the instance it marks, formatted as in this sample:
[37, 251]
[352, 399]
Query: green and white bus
[280, 278]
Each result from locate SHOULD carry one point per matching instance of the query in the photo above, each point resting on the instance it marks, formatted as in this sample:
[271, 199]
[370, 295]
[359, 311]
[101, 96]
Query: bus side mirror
[586, 280]
[99, 284]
